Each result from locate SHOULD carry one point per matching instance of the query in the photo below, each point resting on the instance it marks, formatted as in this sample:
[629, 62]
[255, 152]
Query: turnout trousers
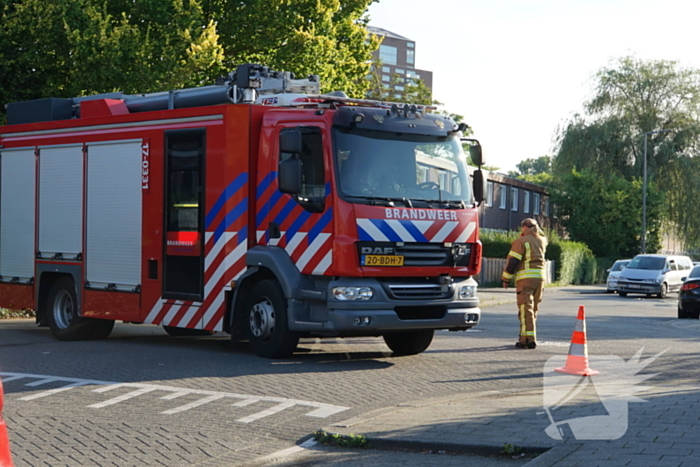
[529, 295]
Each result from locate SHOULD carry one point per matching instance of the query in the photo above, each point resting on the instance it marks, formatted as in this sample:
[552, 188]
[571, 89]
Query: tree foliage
[69, 48]
[540, 165]
[605, 212]
[633, 97]
[324, 37]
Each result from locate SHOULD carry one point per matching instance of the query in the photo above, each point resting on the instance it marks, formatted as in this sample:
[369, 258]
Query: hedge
[575, 263]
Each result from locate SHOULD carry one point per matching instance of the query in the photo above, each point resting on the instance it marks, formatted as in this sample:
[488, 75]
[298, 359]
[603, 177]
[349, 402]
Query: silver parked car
[614, 273]
[653, 274]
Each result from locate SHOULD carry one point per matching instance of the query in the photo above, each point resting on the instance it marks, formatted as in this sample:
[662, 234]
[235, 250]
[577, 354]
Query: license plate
[381, 260]
[632, 286]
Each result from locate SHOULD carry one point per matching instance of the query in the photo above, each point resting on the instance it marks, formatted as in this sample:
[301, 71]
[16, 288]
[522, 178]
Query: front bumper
[645, 288]
[384, 312]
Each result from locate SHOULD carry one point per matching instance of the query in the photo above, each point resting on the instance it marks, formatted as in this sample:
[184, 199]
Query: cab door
[184, 214]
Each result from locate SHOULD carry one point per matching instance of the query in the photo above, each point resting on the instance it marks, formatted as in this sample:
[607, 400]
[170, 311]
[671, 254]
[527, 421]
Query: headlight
[467, 291]
[352, 293]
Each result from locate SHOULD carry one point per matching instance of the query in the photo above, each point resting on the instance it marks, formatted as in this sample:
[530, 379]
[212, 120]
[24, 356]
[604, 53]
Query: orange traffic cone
[577, 360]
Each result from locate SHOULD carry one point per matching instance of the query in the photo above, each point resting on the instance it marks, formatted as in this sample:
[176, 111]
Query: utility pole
[644, 190]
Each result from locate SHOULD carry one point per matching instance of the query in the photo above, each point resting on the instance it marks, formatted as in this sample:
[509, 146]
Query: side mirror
[290, 141]
[683, 279]
[289, 176]
[474, 151]
[609, 270]
[478, 186]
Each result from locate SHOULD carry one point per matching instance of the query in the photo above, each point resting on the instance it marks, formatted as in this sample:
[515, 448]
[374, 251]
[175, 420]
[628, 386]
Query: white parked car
[614, 273]
[654, 274]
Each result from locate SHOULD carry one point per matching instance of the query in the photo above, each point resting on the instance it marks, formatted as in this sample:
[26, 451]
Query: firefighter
[526, 262]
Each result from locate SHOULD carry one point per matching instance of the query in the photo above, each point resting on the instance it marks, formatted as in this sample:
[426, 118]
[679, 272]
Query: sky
[517, 70]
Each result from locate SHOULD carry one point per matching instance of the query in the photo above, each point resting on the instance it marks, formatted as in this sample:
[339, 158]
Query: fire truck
[256, 206]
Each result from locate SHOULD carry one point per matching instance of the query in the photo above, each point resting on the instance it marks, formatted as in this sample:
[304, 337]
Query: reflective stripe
[506, 276]
[529, 274]
[528, 256]
[529, 333]
[580, 326]
[515, 255]
[523, 328]
[578, 350]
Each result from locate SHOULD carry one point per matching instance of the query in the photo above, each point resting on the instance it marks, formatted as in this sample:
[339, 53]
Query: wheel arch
[46, 281]
[264, 263]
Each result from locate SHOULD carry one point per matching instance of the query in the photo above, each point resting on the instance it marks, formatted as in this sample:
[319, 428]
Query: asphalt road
[144, 398]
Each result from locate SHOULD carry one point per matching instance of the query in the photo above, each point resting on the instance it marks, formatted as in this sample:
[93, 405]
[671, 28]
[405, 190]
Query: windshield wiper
[456, 203]
[387, 201]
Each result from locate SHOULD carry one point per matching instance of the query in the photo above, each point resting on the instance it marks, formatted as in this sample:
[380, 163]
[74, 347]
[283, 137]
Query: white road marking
[265, 413]
[192, 405]
[137, 389]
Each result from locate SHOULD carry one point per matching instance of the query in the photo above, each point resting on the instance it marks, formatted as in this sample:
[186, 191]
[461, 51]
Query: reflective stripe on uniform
[528, 256]
[515, 255]
[506, 276]
[529, 274]
[523, 327]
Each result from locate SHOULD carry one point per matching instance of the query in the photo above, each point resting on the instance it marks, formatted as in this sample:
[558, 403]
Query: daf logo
[368, 250]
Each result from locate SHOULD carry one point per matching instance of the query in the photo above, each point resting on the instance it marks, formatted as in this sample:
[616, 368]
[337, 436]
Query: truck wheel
[663, 291]
[267, 327]
[64, 320]
[409, 342]
[187, 332]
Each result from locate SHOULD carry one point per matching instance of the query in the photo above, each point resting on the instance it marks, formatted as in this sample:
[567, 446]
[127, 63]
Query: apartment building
[397, 55]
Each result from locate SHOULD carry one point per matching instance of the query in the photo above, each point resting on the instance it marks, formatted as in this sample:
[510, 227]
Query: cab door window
[313, 170]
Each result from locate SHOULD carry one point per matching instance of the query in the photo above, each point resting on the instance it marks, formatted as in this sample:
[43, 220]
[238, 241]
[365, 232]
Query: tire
[663, 292]
[682, 314]
[64, 318]
[187, 332]
[409, 342]
[266, 323]
[622, 294]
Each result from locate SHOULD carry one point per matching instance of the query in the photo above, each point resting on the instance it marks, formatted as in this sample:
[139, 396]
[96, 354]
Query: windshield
[383, 165]
[647, 262]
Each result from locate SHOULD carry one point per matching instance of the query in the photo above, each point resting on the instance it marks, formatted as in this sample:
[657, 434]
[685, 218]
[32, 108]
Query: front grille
[424, 254]
[419, 291]
[420, 312]
[420, 254]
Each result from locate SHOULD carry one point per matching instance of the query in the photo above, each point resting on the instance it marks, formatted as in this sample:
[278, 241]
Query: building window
[410, 56]
[387, 54]
[503, 194]
[386, 78]
[399, 88]
[526, 202]
[410, 45]
[489, 194]
[546, 207]
[400, 71]
[513, 199]
[386, 69]
[536, 204]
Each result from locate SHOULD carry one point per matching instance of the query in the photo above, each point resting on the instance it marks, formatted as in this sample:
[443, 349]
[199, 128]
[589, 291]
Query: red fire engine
[256, 207]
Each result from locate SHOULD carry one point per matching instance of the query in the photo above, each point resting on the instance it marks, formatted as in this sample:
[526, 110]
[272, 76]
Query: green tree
[69, 48]
[324, 37]
[542, 164]
[632, 97]
[605, 212]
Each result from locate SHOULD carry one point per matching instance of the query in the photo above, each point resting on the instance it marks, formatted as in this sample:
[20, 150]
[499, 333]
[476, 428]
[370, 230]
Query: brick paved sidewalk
[659, 432]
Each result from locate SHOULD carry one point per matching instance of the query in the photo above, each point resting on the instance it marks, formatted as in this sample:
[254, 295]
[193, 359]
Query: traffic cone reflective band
[577, 360]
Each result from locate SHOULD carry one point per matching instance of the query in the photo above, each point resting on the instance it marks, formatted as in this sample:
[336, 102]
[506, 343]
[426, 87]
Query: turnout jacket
[525, 259]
